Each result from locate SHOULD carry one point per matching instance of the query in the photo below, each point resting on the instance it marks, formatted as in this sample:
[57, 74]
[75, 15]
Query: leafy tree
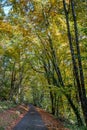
[36, 61]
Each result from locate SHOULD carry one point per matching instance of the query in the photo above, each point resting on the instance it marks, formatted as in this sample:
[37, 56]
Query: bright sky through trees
[6, 9]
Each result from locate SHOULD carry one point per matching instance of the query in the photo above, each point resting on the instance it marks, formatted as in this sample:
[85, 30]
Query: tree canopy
[43, 55]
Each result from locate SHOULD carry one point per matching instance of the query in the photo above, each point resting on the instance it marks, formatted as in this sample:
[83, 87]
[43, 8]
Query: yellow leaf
[53, 2]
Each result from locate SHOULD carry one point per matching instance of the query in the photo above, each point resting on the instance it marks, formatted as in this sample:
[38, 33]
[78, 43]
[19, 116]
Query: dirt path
[38, 119]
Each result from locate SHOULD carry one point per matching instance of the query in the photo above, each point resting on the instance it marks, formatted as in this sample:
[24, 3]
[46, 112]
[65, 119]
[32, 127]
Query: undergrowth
[1, 128]
[74, 127]
[71, 125]
[6, 105]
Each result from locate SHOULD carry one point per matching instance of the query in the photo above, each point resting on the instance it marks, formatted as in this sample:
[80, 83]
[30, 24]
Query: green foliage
[75, 127]
[1, 128]
[27, 70]
[4, 105]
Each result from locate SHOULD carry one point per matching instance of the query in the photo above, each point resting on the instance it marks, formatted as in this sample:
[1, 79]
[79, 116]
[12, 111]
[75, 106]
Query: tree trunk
[77, 68]
[60, 82]
[52, 102]
[83, 90]
[80, 123]
[12, 90]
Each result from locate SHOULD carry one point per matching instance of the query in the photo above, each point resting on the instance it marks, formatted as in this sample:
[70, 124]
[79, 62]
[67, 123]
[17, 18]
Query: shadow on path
[31, 121]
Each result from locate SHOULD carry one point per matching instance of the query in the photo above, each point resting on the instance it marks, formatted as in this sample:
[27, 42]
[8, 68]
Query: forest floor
[28, 118]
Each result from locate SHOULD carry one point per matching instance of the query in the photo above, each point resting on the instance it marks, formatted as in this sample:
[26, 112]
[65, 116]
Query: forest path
[38, 119]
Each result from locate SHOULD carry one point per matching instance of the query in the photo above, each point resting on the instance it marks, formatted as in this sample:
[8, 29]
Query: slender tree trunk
[12, 90]
[75, 109]
[54, 62]
[60, 82]
[83, 90]
[76, 67]
[57, 108]
[52, 101]
[58, 72]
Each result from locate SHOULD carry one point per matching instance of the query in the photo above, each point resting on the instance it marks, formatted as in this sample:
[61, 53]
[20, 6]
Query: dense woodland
[43, 55]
